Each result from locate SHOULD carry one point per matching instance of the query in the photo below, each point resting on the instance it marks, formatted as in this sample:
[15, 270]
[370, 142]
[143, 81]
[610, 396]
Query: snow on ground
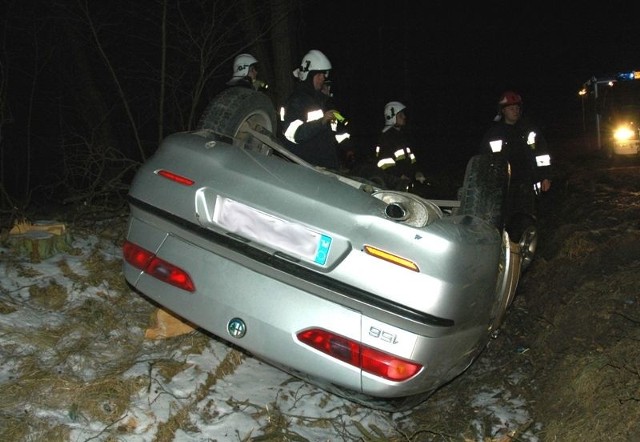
[253, 399]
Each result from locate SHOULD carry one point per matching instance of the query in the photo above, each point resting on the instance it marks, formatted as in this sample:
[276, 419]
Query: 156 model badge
[387, 337]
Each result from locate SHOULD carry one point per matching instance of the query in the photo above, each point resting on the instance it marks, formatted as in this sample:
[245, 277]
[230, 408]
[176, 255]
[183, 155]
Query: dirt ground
[570, 346]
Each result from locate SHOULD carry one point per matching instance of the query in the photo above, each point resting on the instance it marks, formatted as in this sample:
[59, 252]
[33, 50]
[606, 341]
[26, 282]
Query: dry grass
[104, 395]
[72, 364]
[180, 419]
[578, 246]
[52, 296]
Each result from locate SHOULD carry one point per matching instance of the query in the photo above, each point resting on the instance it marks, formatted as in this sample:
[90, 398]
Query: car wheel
[236, 109]
[522, 229]
[484, 189]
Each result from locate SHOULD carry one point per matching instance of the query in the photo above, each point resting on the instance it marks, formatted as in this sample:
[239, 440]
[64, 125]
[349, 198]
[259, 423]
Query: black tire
[484, 190]
[237, 108]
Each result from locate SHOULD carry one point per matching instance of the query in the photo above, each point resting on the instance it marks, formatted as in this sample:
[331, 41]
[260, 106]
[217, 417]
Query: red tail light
[175, 177]
[158, 268]
[352, 352]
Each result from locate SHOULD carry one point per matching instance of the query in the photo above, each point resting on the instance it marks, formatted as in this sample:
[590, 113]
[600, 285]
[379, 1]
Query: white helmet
[391, 109]
[314, 60]
[241, 65]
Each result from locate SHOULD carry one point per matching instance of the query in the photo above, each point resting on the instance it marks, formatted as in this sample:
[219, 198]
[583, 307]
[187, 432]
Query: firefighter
[393, 151]
[308, 126]
[245, 73]
[526, 150]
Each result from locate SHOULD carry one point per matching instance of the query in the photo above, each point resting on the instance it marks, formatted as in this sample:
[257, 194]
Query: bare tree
[163, 71]
[5, 118]
[274, 45]
[125, 75]
[84, 7]
[283, 13]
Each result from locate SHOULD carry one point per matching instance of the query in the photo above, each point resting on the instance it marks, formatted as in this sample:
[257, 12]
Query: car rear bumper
[275, 304]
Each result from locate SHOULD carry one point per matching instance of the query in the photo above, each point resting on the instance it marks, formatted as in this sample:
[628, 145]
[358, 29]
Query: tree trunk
[285, 52]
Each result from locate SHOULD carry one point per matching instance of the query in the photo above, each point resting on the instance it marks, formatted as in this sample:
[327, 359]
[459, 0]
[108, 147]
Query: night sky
[449, 61]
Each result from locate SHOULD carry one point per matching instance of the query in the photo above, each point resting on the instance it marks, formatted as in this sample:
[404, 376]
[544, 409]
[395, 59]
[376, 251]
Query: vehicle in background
[623, 131]
[612, 102]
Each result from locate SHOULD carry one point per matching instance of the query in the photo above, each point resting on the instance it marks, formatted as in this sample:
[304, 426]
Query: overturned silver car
[377, 295]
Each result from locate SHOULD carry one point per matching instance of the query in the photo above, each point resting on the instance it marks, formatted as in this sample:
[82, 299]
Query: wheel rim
[528, 244]
[258, 121]
[253, 121]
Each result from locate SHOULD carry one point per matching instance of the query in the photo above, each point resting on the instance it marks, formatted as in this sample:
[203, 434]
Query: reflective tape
[531, 138]
[315, 115]
[543, 160]
[290, 133]
[496, 146]
[399, 154]
[385, 163]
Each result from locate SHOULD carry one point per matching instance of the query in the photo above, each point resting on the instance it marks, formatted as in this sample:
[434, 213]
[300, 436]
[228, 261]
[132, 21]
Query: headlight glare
[623, 133]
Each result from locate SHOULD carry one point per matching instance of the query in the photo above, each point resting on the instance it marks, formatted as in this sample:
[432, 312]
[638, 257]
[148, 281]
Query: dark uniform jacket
[524, 147]
[303, 132]
[394, 154]
[241, 81]
[528, 155]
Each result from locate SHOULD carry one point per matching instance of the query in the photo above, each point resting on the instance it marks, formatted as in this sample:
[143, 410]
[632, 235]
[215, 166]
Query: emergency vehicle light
[631, 75]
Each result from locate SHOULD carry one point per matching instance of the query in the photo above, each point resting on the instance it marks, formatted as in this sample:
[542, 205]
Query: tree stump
[40, 240]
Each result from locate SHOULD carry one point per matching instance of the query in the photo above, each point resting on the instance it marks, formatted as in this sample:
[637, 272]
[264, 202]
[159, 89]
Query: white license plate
[269, 230]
